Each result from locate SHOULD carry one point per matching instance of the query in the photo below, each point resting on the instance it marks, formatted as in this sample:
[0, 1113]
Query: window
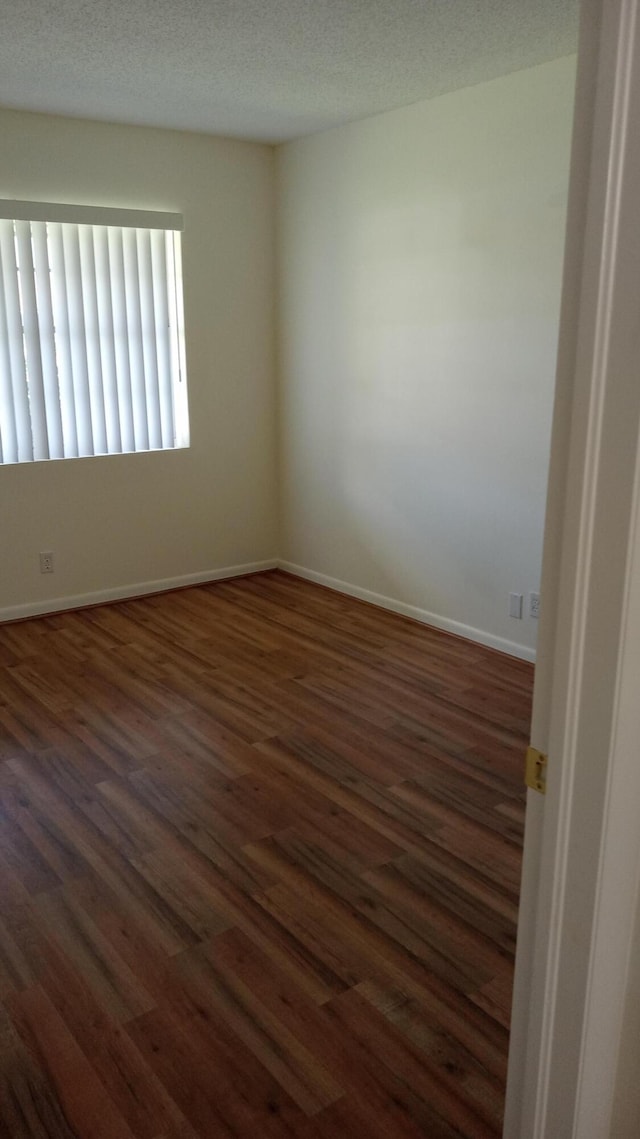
[91, 332]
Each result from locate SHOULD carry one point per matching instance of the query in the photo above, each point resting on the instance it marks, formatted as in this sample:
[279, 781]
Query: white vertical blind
[91, 340]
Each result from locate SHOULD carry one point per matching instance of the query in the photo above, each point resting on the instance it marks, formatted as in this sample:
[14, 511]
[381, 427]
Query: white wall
[127, 520]
[420, 258]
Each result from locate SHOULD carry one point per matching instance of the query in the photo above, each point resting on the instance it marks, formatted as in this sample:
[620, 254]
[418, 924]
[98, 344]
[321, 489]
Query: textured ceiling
[264, 69]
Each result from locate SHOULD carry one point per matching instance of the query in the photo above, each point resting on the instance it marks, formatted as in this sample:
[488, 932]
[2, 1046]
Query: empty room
[282, 289]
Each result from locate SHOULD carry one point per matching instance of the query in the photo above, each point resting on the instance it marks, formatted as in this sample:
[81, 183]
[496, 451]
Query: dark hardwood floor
[259, 867]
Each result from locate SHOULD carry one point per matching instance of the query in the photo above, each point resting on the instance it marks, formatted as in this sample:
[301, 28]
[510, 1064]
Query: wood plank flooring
[259, 867]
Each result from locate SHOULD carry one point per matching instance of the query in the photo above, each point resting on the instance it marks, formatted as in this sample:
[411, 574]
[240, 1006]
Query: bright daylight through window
[92, 355]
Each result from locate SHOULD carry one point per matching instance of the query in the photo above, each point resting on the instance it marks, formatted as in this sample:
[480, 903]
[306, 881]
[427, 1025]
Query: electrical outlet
[46, 561]
[534, 605]
[515, 605]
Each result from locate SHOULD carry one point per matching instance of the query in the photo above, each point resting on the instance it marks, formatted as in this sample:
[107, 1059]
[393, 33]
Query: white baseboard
[123, 592]
[512, 648]
[142, 588]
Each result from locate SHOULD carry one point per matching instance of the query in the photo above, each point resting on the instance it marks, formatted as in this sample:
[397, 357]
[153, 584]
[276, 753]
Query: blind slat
[62, 339]
[178, 364]
[106, 339]
[121, 339]
[31, 337]
[15, 343]
[134, 330]
[78, 339]
[92, 339]
[163, 344]
[8, 426]
[47, 339]
[148, 331]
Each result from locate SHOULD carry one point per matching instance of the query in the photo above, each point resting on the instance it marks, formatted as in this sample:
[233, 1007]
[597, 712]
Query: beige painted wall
[124, 520]
[420, 258]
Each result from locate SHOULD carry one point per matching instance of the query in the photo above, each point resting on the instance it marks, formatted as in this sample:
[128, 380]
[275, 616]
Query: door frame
[582, 840]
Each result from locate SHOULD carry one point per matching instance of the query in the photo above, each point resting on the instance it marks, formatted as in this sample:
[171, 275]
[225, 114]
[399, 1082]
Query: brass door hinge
[536, 770]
